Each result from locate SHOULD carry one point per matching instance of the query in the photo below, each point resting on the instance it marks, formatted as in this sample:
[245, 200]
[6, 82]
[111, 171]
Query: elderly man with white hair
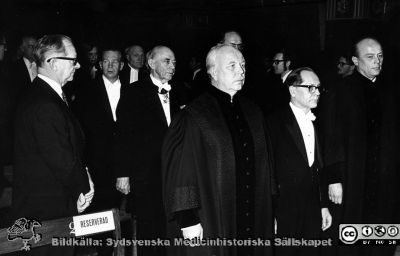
[216, 169]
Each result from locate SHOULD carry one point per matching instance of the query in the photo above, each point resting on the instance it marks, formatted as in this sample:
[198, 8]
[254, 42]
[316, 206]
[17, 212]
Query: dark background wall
[314, 30]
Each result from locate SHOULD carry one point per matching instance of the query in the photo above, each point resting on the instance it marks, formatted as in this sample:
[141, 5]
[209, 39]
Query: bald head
[368, 57]
[161, 61]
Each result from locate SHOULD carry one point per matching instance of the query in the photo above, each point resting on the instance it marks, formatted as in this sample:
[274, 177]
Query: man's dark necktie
[64, 98]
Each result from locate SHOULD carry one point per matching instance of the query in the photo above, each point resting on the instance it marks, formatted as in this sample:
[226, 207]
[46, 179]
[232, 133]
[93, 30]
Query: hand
[326, 218]
[122, 185]
[82, 203]
[335, 192]
[193, 232]
[89, 195]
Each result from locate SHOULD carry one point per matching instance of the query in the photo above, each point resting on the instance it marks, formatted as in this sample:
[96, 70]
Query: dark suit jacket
[19, 81]
[21, 74]
[14, 83]
[302, 191]
[99, 126]
[141, 126]
[199, 84]
[49, 175]
[6, 118]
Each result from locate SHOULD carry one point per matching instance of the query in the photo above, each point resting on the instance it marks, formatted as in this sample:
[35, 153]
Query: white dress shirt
[113, 93]
[134, 74]
[164, 98]
[53, 84]
[307, 130]
[32, 68]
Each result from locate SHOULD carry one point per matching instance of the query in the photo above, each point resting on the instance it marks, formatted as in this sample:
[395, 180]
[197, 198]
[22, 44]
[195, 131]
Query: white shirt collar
[108, 83]
[160, 85]
[53, 84]
[28, 63]
[286, 75]
[129, 65]
[299, 113]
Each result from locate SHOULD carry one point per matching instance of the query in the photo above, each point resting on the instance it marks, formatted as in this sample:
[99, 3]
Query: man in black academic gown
[216, 169]
[144, 113]
[361, 146]
[301, 207]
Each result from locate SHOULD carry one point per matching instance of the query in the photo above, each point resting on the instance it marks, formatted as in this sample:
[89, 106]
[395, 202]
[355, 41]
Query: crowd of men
[201, 160]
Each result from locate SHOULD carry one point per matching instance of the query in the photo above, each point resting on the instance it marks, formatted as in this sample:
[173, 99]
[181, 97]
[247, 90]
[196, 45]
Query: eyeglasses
[276, 62]
[311, 88]
[74, 60]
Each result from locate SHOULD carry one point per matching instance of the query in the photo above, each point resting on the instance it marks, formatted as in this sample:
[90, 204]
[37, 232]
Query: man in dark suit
[85, 76]
[143, 116]
[98, 118]
[19, 78]
[198, 80]
[301, 207]
[133, 70]
[50, 180]
[99, 103]
[25, 69]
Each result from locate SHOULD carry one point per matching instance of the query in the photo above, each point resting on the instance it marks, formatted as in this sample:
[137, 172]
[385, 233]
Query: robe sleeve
[180, 165]
[333, 155]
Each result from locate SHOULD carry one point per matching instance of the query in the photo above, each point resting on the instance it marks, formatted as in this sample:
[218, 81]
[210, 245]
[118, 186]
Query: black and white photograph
[200, 127]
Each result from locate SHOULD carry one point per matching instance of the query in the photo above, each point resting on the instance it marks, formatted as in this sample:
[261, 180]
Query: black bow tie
[163, 91]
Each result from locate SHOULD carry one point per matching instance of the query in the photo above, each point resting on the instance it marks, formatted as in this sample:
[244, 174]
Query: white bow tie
[310, 116]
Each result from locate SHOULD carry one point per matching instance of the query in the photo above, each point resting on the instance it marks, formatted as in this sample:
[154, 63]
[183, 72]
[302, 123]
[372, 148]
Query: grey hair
[49, 44]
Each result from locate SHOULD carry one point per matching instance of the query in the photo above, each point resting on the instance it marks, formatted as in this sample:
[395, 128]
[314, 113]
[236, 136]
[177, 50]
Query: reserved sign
[93, 223]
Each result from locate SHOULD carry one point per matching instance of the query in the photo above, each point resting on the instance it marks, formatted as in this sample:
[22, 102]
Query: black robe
[360, 151]
[199, 174]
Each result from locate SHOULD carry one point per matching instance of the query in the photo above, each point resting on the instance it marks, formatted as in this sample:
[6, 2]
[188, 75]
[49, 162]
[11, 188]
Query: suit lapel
[155, 101]
[46, 88]
[173, 102]
[318, 155]
[25, 70]
[295, 132]
[104, 100]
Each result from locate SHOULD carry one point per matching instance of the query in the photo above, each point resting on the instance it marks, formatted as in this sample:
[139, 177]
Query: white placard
[93, 223]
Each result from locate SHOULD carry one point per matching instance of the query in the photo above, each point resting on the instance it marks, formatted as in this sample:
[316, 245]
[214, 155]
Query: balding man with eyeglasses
[50, 180]
[301, 207]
